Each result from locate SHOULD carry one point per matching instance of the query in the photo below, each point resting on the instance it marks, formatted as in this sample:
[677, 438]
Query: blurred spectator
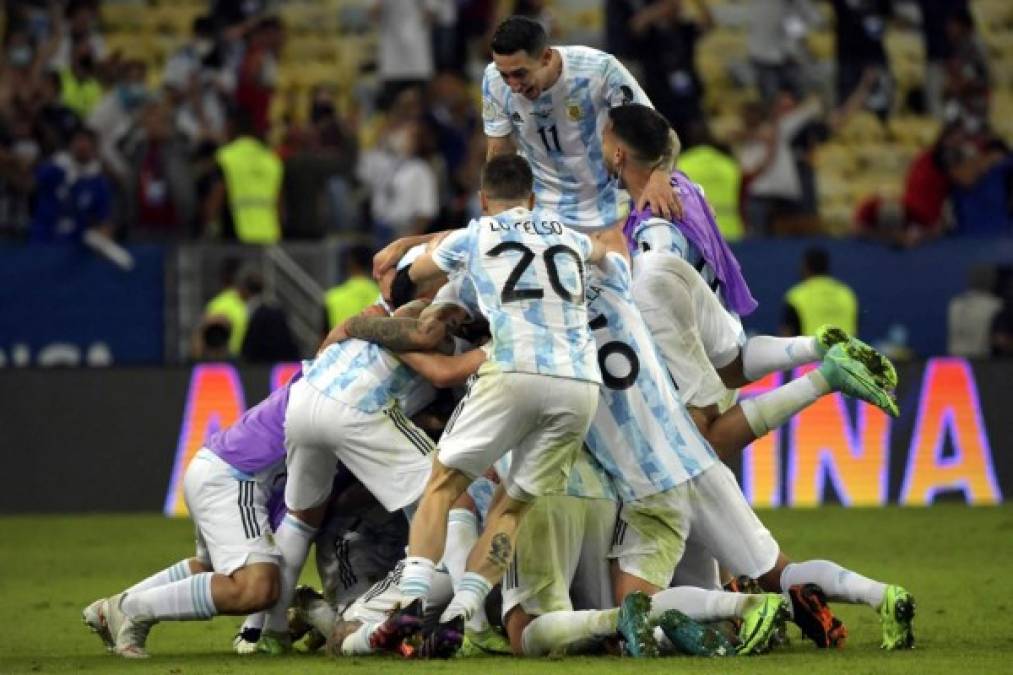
[79, 32]
[320, 161]
[446, 51]
[79, 84]
[211, 340]
[777, 159]
[970, 315]
[243, 202]
[115, 115]
[934, 16]
[919, 216]
[54, 121]
[160, 194]
[229, 305]
[860, 30]
[268, 337]
[406, 51]
[71, 193]
[818, 299]
[188, 61]
[667, 43]
[777, 30]
[453, 118]
[540, 12]
[258, 72]
[403, 187]
[716, 171]
[968, 80]
[357, 292]
[983, 189]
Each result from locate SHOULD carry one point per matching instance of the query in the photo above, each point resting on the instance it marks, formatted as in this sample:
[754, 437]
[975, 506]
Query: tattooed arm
[398, 334]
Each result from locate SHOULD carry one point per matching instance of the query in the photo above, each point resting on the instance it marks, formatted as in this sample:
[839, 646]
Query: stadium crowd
[154, 147]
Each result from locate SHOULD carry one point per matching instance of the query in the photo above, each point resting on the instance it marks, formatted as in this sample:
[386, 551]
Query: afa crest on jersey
[574, 111]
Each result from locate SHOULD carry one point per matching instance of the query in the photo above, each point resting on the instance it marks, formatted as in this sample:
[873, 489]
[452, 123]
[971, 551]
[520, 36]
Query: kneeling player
[228, 487]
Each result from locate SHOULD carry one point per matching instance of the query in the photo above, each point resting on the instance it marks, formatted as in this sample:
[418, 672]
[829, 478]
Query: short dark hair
[507, 177]
[402, 289]
[519, 33]
[817, 260]
[643, 129]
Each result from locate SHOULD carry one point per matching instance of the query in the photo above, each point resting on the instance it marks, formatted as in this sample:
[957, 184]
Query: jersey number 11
[544, 133]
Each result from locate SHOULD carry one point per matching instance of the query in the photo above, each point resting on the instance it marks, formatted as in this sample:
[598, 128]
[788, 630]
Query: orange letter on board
[824, 444]
[948, 407]
[214, 401]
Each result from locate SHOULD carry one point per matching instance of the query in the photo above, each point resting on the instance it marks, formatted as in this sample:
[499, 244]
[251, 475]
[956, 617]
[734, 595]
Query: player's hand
[660, 196]
[387, 257]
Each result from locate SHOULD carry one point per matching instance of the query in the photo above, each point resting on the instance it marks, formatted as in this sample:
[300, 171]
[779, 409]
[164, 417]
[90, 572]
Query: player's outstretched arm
[444, 371]
[339, 334]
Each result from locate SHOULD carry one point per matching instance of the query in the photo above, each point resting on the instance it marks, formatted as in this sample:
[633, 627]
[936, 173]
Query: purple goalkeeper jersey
[256, 441]
[700, 229]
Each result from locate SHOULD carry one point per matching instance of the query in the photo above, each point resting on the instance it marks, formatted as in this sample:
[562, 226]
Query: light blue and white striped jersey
[658, 234]
[560, 133]
[528, 271]
[642, 433]
[460, 292]
[367, 377]
[588, 479]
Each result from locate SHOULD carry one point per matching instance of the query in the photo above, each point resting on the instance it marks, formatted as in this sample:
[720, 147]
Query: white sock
[183, 600]
[254, 621]
[568, 631]
[416, 577]
[462, 533]
[293, 538]
[357, 644]
[470, 595]
[177, 572]
[765, 354]
[699, 604]
[773, 408]
[837, 582]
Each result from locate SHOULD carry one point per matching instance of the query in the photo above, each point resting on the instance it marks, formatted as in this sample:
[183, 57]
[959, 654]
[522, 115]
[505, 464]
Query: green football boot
[850, 376]
[692, 637]
[761, 624]
[483, 643]
[897, 614]
[881, 367]
[273, 643]
[634, 626]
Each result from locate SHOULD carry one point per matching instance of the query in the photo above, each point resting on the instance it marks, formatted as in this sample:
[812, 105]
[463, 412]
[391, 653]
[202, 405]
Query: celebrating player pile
[576, 500]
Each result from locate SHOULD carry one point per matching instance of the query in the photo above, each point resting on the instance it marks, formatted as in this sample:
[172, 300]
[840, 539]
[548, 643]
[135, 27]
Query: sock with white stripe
[357, 644]
[702, 605]
[293, 538]
[765, 354]
[416, 577]
[183, 600]
[771, 409]
[571, 632]
[470, 595]
[837, 582]
[254, 622]
[462, 533]
[177, 572]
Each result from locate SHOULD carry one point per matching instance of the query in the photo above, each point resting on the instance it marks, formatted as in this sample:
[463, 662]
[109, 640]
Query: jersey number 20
[510, 291]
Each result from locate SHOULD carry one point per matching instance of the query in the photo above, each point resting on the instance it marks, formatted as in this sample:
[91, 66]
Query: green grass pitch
[955, 560]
